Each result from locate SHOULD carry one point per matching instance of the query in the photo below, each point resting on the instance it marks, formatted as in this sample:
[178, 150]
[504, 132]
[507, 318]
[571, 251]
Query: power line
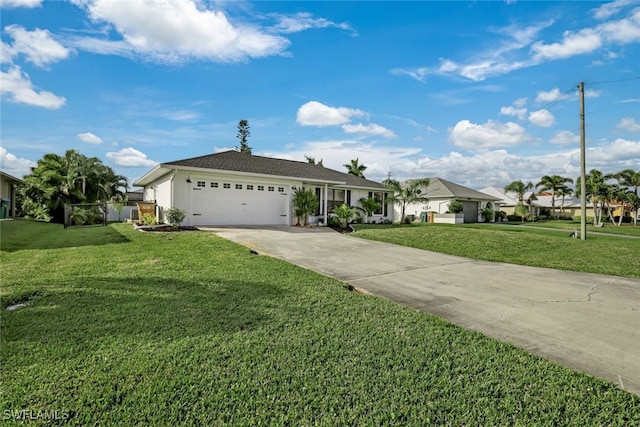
[614, 81]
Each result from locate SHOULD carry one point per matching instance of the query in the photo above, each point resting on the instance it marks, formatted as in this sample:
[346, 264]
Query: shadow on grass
[92, 310]
[26, 234]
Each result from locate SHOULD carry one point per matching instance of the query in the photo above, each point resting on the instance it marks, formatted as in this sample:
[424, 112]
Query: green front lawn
[131, 328]
[609, 228]
[617, 256]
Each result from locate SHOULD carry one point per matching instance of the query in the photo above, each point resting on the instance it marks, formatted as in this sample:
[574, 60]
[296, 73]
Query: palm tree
[520, 188]
[596, 189]
[411, 192]
[305, 202]
[553, 183]
[369, 205]
[631, 179]
[564, 191]
[355, 168]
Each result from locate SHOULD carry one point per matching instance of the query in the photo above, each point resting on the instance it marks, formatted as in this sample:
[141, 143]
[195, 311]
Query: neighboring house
[8, 186]
[509, 199]
[234, 188]
[441, 193]
[569, 206]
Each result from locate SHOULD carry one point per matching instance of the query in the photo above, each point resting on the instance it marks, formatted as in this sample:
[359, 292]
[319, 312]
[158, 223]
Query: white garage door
[238, 203]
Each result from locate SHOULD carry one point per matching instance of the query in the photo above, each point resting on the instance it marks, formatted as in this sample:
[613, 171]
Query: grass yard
[616, 256]
[609, 228]
[131, 328]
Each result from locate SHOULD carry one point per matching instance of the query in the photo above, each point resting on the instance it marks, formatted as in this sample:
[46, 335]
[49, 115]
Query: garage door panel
[239, 206]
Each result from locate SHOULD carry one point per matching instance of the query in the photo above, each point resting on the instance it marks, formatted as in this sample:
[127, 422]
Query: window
[335, 198]
[238, 186]
[260, 187]
[202, 184]
[214, 185]
[380, 198]
[271, 188]
[281, 189]
[249, 187]
[226, 185]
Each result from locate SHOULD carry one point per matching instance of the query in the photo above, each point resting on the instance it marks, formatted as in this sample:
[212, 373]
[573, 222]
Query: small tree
[344, 212]
[487, 214]
[369, 205]
[403, 195]
[243, 136]
[305, 202]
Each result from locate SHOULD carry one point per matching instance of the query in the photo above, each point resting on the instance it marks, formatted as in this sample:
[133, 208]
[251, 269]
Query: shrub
[333, 221]
[513, 217]
[148, 219]
[501, 215]
[79, 215]
[542, 217]
[487, 214]
[577, 218]
[175, 216]
[456, 206]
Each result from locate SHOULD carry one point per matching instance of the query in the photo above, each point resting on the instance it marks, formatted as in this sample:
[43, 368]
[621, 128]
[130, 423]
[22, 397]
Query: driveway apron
[587, 322]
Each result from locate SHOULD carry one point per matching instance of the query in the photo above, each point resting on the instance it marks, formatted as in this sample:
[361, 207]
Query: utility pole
[583, 169]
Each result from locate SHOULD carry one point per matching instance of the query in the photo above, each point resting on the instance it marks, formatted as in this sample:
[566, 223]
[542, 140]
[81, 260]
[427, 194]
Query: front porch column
[326, 204]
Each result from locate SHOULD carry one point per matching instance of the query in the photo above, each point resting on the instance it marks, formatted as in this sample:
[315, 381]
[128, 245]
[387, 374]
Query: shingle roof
[441, 188]
[242, 162]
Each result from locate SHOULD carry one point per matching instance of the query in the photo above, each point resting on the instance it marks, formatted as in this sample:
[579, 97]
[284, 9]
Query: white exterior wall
[435, 205]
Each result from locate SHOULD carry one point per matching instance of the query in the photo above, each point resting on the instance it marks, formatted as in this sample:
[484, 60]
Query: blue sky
[480, 93]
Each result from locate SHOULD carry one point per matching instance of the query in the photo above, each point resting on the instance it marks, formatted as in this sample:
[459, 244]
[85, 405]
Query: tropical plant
[69, 179]
[553, 183]
[175, 216]
[344, 213]
[305, 202]
[355, 168]
[519, 188]
[148, 219]
[631, 180]
[487, 214]
[456, 206]
[369, 205]
[521, 211]
[312, 160]
[596, 191]
[410, 192]
[243, 136]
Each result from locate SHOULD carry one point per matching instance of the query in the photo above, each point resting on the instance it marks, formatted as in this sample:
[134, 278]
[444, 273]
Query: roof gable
[442, 189]
[235, 161]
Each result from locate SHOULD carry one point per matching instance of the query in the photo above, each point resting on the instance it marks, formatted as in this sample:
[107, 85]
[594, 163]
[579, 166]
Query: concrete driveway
[587, 322]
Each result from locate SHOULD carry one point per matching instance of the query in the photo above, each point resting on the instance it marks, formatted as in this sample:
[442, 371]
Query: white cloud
[12, 4]
[609, 9]
[14, 165]
[565, 137]
[584, 41]
[302, 21]
[38, 46]
[541, 118]
[520, 113]
[89, 138]
[548, 96]
[623, 31]
[492, 134]
[314, 113]
[615, 156]
[368, 129]
[178, 30]
[628, 124]
[592, 93]
[130, 158]
[17, 86]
